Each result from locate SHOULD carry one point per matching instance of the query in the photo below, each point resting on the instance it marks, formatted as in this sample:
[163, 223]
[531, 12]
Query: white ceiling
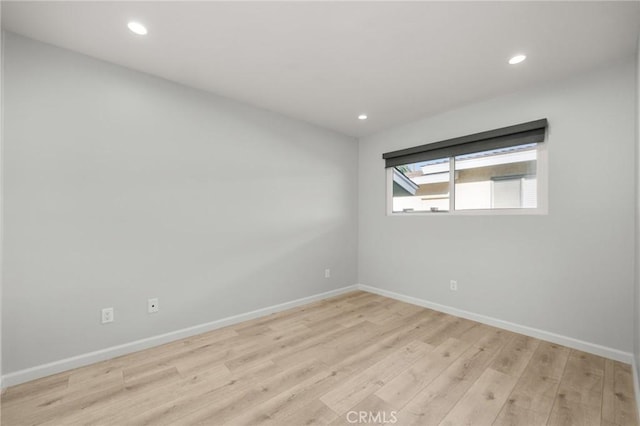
[327, 62]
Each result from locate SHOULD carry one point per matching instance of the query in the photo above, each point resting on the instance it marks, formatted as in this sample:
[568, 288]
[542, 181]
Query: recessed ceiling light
[137, 27]
[517, 59]
[362, 117]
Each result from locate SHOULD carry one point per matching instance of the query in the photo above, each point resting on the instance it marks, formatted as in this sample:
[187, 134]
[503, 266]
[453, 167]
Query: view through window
[504, 178]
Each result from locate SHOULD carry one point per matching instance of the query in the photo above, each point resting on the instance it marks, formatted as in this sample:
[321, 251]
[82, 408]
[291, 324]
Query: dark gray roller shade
[520, 134]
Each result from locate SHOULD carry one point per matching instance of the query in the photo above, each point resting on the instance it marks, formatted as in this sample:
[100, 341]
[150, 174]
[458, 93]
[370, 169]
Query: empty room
[320, 213]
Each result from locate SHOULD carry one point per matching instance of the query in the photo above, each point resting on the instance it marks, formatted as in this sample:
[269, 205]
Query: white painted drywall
[636, 311]
[1, 179]
[120, 186]
[569, 272]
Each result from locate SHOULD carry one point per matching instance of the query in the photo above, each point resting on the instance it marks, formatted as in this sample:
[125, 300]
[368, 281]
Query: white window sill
[479, 212]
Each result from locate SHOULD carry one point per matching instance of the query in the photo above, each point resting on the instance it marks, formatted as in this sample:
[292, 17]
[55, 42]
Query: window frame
[542, 178]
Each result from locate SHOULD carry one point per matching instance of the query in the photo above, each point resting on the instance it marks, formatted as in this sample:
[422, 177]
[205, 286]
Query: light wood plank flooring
[354, 359]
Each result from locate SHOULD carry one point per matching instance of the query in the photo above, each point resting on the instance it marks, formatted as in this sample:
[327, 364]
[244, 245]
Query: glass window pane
[421, 187]
[497, 179]
[529, 192]
[507, 193]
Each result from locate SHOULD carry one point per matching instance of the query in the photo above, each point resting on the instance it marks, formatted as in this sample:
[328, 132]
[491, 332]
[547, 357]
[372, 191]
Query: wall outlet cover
[107, 315]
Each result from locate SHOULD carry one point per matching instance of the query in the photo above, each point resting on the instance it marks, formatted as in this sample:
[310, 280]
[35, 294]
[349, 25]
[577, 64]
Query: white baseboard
[593, 348]
[44, 370]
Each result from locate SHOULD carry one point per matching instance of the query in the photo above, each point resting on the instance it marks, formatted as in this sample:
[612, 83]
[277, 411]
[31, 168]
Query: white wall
[569, 272]
[120, 186]
[1, 179]
[636, 319]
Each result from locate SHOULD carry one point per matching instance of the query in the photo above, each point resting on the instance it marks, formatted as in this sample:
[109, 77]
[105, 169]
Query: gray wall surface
[636, 318]
[120, 186]
[1, 179]
[569, 272]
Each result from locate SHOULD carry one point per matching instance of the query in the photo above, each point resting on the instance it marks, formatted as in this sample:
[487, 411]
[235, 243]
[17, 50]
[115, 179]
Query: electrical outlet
[107, 315]
[152, 305]
[453, 285]
[327, 273]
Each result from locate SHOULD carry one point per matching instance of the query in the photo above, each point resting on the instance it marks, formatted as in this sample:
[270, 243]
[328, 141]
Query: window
[428, 188]
[496, 170]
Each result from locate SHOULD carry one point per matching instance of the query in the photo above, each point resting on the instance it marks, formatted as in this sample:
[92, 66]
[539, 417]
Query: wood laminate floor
[358, 358]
